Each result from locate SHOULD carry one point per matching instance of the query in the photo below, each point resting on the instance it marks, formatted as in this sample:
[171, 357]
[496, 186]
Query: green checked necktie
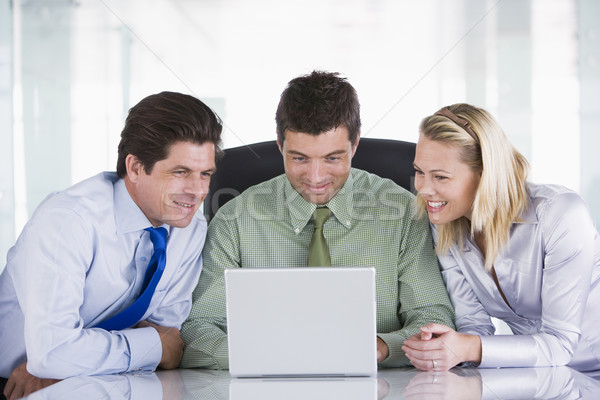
[318, 252]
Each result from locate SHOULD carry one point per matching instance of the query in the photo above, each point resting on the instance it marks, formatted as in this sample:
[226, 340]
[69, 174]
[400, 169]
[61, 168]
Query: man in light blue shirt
[82, 257]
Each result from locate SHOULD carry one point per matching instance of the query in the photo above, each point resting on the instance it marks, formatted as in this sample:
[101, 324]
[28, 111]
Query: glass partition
[70, 70]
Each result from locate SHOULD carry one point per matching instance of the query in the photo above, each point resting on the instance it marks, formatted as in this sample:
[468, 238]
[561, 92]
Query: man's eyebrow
[180, 167]
[335, 152]
[295, 152]
[188, 169]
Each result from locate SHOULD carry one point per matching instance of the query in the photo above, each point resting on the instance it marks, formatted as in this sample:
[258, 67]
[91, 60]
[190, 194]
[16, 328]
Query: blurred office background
[70, 70]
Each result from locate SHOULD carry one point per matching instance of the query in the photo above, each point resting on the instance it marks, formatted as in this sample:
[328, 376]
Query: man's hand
[382, 350]
[21, 383]
[172, 344]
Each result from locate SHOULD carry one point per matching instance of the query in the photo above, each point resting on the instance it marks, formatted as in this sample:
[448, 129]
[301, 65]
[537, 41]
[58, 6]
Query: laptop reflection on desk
[301, 322]
[351, 388]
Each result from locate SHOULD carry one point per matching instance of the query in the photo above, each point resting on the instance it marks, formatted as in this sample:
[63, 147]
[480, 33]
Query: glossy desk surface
[508, 383]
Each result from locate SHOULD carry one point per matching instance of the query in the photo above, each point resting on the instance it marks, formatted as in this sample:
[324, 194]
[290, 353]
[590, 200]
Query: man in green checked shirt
[371, 223]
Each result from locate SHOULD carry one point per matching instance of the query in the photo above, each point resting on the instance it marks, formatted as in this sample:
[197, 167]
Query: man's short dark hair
[160, 120]
[316, 103]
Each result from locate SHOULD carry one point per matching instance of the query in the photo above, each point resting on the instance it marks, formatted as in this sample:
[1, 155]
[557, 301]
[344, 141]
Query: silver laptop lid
[301, 321]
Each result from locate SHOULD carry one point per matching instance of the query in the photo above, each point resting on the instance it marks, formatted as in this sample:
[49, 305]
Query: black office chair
[245, 166]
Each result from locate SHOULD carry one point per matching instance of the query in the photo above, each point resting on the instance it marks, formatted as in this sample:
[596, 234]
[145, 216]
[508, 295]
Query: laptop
[301, 321]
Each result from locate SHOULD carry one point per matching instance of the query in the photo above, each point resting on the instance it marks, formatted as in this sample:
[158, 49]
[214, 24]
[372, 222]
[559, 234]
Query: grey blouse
[549, 272]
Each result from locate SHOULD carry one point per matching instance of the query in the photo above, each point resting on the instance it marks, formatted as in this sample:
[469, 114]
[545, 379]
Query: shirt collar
[301, 211]
[128, 216]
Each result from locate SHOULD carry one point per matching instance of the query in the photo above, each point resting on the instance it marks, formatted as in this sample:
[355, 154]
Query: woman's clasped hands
[439, 348]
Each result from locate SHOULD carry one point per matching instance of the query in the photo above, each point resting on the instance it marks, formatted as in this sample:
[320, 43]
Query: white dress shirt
[80, 259]
[549, 272]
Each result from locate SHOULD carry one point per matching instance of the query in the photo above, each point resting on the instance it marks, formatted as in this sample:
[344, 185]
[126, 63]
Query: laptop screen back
[301, 321]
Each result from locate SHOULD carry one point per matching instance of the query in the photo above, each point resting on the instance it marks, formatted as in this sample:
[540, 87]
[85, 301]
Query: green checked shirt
[373, 224]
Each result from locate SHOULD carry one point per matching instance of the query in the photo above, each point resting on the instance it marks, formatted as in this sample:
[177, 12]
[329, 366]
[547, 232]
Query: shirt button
[347, 223]
[143, 259]
[297, 230]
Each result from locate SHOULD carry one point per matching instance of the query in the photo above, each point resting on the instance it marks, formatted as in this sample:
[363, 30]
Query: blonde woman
[525, 253]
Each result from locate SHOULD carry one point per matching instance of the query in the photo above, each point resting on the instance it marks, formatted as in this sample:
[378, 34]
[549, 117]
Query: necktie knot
[158, 236]
[320, 216]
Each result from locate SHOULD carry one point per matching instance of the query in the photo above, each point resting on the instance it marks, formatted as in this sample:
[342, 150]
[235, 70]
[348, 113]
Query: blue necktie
[132, 314]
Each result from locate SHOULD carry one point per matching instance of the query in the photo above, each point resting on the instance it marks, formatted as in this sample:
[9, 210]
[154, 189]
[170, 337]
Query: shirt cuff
[396, 357]
[145, 348]
[507, 351]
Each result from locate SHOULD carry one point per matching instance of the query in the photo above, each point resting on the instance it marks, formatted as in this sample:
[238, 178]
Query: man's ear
[355, 145]
[134, 167]
[280, 145]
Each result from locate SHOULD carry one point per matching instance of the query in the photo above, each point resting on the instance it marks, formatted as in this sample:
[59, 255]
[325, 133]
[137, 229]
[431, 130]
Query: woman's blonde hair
[502, 194]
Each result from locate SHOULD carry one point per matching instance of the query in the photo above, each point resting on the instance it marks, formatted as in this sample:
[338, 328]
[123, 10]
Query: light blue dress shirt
[79, 260]
[549, 272]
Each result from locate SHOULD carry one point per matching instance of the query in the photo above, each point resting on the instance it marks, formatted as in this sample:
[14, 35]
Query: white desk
[508, 383]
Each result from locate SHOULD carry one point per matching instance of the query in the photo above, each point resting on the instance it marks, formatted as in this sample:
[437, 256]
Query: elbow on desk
[52, 366]
[41, 368]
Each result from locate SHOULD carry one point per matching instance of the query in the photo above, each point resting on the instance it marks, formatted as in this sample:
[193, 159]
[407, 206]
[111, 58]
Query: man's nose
[197, 185]
[315, 172]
